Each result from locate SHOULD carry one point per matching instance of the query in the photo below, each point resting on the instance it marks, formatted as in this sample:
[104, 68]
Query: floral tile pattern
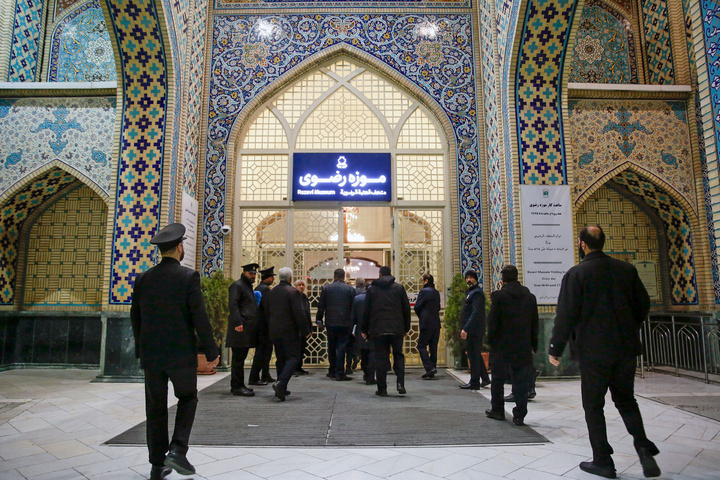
[77, 132]
[653, 135]
[661, 70]
[80, 48]
[244, 64]
[26, 41]
[237, 4]
[605, 48]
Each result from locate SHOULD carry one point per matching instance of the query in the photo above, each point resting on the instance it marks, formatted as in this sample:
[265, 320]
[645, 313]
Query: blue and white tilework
[80, 49]
[77, 132]
[26, 41]
[247, 4]
[244, 64]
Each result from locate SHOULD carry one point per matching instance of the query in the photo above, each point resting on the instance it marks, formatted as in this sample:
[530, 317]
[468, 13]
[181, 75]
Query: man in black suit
[335, 305]
[167, 310]
[601, 306]
[513, 338]
[472, 325]
[427, 308]
[242, 327]
[260, 369]
[285, 314]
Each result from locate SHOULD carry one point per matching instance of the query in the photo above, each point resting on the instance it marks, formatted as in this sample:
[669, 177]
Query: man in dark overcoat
[601, 307]
[363, 348]
[386, 322]
[285, 314]
[166, 313]
[242, 327]
[260, 369]
[334, 308]
[427, 308]
[472, 330]
[513, 338]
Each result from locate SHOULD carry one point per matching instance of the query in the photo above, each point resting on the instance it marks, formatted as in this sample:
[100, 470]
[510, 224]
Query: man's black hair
[594, 239]
[509, 273]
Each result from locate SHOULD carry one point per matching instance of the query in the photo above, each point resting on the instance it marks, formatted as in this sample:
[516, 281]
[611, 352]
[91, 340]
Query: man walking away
[386, 321]
[167, 311]
[601, 306]
[260, 369]
[472, 324]
[242, 327]
[363, 347]
[287, 326]
[335, 304]
[427, 308]
[513, 338]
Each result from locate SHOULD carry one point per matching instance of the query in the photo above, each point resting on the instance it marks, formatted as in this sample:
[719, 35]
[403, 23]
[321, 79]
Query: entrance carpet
[324, 412]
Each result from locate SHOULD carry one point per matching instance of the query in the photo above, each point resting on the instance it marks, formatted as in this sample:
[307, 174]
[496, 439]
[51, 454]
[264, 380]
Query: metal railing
[687, 342]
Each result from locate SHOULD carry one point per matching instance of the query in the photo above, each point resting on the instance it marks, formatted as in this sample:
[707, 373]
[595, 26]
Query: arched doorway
[344, 109]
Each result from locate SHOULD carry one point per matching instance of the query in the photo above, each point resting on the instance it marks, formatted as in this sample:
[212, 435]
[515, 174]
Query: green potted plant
[215, 294]
[451, 320]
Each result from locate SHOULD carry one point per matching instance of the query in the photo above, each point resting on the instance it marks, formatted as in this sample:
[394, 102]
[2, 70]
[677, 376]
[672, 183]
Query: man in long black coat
[242, 327]
[334, 306]
[513, 338]
[601, 306]
[287, 324]
[472, 325]
[167, 310]
[427, 308]
[386, 321]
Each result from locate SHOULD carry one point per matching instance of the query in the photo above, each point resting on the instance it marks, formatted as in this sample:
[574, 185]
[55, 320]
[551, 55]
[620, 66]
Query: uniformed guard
[167, 309]
[260, 370]
[242, 327]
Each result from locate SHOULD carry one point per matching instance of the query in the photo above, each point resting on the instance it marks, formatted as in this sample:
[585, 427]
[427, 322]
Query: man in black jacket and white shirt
[601, 306]
[386, 321]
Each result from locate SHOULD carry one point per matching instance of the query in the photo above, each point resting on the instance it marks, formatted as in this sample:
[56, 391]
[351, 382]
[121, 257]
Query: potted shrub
[451, 321]
[215, 294]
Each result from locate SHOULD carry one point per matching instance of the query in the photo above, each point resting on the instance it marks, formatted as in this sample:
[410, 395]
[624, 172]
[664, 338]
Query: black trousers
[237, 367]
[303, 347]
[477, 364]
[521, 375]
[184, 382]
[337, 341]
[263, 353]
[366, 364]
[427, 347]
[288, 352]
[381, 359]
[618, 375]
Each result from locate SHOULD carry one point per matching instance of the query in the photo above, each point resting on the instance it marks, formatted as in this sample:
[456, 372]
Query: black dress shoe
[518, 421]
[268, 379]
[532, 394]
[258, 382]
[381, 392]
[343, 378]
[401, 389]
[348, 371]
[158, 472]
[470, 386]
[302, 371]
[179, 463]
[430, 374]
[370, 382]
[607, 471]
[330, 375]
[495, 415]
[484, 384]
[242, 392]
[649, 465]
[509, 398]
[279, 392]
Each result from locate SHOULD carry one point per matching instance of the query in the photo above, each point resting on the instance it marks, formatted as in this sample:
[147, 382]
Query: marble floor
[53, 424]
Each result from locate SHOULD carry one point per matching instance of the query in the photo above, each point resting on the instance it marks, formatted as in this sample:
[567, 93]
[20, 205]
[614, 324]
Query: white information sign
[647, 271]
[189, 219]
[548, 240]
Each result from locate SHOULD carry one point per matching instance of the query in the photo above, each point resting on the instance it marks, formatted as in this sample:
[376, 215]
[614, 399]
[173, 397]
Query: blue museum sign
[345, 177]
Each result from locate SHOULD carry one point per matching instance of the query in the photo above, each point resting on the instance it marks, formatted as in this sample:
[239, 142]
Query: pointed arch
[303, 69]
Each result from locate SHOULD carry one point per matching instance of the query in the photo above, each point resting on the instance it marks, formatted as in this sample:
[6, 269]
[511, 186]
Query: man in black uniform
[472, 324]
[285, 314]
[427, 308]
[242, 327]
[386, 321]
[167, 310]
[264, 348]
[601, 306]
[335, 305]
[513, 338]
